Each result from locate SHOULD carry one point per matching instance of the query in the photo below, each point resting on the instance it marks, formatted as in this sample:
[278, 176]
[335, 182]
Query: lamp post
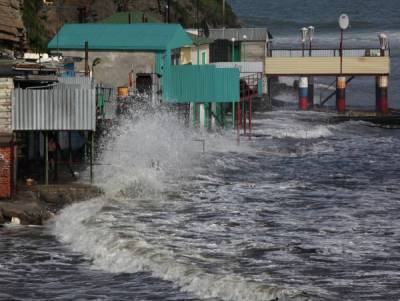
[223, 13]
[310, 34]
[304, 33]
[344, 23]
[382, 81]
[383, 41]
[341, 80]
[244, 47]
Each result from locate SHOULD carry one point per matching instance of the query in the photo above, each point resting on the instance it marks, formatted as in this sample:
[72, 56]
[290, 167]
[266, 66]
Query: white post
[202, 116]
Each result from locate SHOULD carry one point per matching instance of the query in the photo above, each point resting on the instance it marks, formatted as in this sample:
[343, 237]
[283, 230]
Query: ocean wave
[82, 228]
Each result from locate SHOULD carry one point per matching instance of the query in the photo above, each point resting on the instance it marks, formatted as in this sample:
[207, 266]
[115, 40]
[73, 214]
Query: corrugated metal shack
[203, 83]
[55, 128]
[54, 109]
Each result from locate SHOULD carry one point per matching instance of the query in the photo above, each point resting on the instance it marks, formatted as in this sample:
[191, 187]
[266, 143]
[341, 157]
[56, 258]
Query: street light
[233, 49]
[383, 40]
[304, 33]
[344, 23]
[244, 47]
[310, 34]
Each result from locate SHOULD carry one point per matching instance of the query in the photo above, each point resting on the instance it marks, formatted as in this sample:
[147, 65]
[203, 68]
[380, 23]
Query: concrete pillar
[311, 91]
[341, 94]
[265, 86]
[214, 112]
[382, 83]
[202, 116]
[303, 93]
[192, 114]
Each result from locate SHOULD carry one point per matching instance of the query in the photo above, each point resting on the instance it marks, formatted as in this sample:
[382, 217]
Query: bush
[35, 31]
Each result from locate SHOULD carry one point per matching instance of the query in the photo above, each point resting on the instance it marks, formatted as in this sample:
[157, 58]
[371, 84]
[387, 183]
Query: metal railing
[322, 52]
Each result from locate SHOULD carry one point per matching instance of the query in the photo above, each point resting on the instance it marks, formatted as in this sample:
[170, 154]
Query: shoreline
[35, 205]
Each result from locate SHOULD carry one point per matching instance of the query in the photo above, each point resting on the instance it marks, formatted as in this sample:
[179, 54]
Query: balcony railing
[348, 52]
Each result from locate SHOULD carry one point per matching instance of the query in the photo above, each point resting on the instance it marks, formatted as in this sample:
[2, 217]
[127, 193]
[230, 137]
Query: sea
[368, 19]
[304, 209]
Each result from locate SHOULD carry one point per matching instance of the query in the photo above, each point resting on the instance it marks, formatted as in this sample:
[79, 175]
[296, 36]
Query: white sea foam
[84, 231]
[290, 127]
[142, 157]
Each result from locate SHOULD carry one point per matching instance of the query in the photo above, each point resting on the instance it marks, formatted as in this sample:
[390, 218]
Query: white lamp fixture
[304, 33]
[310, 33]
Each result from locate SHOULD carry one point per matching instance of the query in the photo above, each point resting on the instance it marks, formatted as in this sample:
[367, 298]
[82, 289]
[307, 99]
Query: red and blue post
[303, 93]
[382, 105]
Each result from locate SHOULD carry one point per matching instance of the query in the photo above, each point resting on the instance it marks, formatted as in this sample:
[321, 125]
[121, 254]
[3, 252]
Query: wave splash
[86, 230]
[142, 157]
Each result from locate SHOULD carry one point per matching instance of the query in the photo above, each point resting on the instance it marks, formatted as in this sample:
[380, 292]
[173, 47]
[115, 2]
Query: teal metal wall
[201, 84]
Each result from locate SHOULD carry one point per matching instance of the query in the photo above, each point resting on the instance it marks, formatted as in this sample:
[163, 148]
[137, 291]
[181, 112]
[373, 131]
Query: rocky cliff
[12, 30]
[42, 21]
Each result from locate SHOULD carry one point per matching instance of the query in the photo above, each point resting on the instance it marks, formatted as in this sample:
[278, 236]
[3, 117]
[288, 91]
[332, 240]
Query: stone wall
[6, 86]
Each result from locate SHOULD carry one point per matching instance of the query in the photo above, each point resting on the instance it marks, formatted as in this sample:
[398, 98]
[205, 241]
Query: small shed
[238, 44]
[53, 114]
[127, 52]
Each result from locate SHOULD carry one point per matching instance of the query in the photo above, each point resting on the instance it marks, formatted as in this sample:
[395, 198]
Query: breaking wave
[144, 159]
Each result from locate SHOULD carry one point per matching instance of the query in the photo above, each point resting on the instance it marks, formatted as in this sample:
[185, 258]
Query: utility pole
[167, 11]
[223, 13]
[197, 16]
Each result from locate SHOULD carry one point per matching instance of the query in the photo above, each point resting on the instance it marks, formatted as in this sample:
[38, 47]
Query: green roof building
[144, 56]
[129, 54]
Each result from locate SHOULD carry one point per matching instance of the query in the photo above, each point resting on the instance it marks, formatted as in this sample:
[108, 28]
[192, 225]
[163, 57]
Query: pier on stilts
[343, 64]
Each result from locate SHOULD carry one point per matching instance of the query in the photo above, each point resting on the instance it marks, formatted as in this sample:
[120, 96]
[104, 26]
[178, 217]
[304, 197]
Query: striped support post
[303, 93]
[311, 91]
[341, 94]
[382, 83]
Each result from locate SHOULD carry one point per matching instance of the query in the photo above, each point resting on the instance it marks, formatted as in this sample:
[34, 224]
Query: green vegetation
[136, 17]
[209, 10]
[36, 32]
[213, 11]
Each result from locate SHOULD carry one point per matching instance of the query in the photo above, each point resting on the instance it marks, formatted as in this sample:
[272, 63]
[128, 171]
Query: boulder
[28, 213]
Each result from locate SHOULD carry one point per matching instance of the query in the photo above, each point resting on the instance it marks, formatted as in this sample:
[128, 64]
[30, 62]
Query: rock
[35, 207]
[15, 221]
[12, 30]
[1, 217]
[25, 213]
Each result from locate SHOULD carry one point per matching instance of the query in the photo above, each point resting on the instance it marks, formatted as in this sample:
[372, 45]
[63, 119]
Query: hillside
[12, 30]
[41, 21]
